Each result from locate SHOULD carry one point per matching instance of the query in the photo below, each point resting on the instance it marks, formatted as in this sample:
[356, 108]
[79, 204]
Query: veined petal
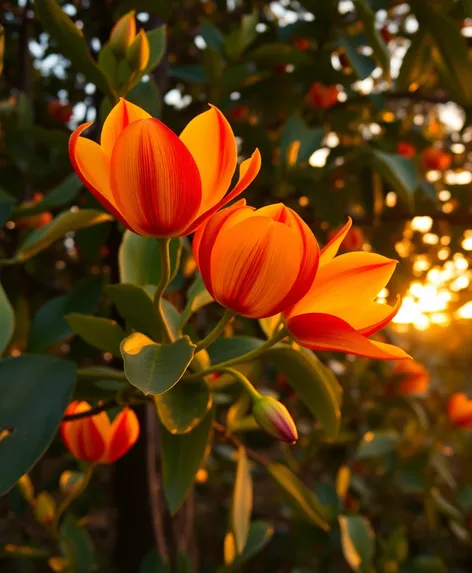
[210, 140]
[329, 251]
[308, 244]
[347, 284]
[92, 166]
[205, 237]
[154, 179]
[70, 430]
[247, 173]
[124, 432]
[374, 317]
[120, 117]
[92, 444]
[254, 264]
[326, 332]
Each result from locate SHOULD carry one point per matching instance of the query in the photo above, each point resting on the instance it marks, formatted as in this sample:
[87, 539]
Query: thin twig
[92, 412]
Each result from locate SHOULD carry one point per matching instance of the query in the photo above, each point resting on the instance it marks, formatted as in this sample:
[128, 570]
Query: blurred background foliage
[359, 108]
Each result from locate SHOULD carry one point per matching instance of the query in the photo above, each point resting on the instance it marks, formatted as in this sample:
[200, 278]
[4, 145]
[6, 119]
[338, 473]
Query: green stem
[226, 318]
[253, 393]
[75, 494]
[97, 374]
[161, 287]
[277, 337]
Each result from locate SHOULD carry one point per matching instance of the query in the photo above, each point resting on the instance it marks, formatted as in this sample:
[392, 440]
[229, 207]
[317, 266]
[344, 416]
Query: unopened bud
[273, 417]
[70, 482]
[123, 35]
[26, 488]
[44, 508]
[138, 53]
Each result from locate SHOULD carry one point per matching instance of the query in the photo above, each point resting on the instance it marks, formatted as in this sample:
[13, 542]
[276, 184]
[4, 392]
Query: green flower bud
[273, 417]
[44, 508]
[123, 35]
[138, 53]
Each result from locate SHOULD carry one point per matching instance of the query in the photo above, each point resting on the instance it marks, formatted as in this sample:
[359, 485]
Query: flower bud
[273, 417]
[138, 53]
[44, 508]
[123, 35]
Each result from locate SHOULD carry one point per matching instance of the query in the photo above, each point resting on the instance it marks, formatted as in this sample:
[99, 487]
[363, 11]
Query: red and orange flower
[339, 311]
[96, 438]
[412, 378]
[154, 182]
[459, 410]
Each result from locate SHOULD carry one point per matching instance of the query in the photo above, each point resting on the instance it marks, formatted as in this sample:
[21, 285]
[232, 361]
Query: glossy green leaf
[376, 444]
[314, 383]
[140, 261]
[374, 37]
[49, 325]
[155, 368]
[147, 96]
[182, 456]
[70, 42]
[157, 47]
[240, 38]
[417, 64]
[361, 64]
[77, 546]
[7, 320]
[197, 298]
[259, 535]
[226, 348]
[303, 499]
[212, 36]
[66, 222]
[242, 502]
[399, 171]
[309, 139]
[137, 307]
[357, 539]
[102, 333]
[188, 73]
[184, 406]
[34, 392]
[61, 195]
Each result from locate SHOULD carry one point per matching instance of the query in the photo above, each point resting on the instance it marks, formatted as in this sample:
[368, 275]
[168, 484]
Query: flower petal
[120, 117]
[247, 173]
[254, 264]
[205, 237]
[459, 410]
[92, 444]
[374, 317]
[210, 140]
[347, 285]
[329, 251]
[326, 332]
[154, 179]
[69, 430]
[123, 435]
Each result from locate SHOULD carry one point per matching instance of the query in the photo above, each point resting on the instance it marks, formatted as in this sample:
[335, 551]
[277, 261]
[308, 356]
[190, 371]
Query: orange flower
[256, 263]
[95, 438]
[353, 240]
[322, 96]
[437, 159]
[413, 378]
[459, 410]
[34, 221]
[152, 181]
[60, 112]
[339, 312]
[406, 149]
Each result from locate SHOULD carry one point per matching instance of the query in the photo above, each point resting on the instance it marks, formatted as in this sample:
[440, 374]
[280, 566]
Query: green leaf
[34, 392]
[315, 384]
[71, 42]
[374, 37]
[188, 73]
[184, 406]
[240, 38]
[66, 222]
[136, 306]
[102, 333]
[152, 563]
[227, 348]
[7, 203]
[362, 65]
[7, 320]
[78, 547]
[155, 368]
[376, 444]
[305, 500]
[64, 193]
[242, 502]
[140, 261]
[212, 36]
[197, 298]
[259, 535]
[357, 538]
[157, 47]
[273, 54]
[182, 456]
[417, 65]
[147, 96]
[399, 171]
[309, 138]
[49, 324]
